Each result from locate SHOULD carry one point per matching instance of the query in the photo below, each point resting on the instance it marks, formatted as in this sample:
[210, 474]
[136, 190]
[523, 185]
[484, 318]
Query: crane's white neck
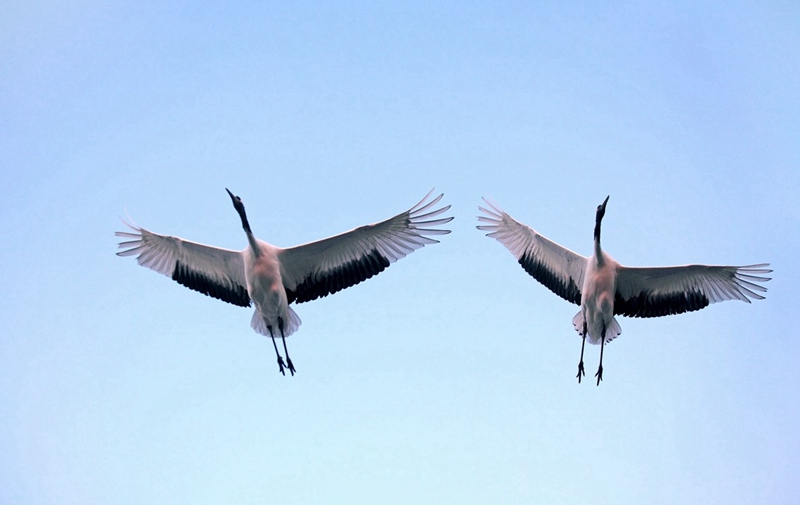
[253, 244]
[599, 256]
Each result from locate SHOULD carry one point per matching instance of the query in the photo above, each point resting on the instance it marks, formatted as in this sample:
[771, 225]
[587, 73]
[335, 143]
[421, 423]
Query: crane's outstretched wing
[317, 269]
[559, 269]
[660, 291]
[215, 272]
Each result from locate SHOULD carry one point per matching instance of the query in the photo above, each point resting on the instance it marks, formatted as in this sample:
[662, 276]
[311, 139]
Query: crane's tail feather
[613, 331]
[289, 327]
[578, 322]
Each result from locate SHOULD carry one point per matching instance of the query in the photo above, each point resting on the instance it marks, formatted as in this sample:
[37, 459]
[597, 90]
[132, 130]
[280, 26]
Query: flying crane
[272, 278]
[603, 288]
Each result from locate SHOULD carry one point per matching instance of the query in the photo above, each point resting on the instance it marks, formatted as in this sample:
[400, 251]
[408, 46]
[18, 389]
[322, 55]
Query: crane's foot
[290, 366]
[281, 365]
[581, 372]
[599, 374]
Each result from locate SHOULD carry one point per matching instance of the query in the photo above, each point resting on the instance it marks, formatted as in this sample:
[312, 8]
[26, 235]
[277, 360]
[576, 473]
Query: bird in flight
[603, 288]
[272, 278]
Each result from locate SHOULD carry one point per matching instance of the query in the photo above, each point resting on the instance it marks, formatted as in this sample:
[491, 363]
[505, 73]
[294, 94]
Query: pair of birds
[271, 278]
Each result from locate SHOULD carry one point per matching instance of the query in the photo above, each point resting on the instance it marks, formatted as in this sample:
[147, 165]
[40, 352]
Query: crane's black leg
[285, 350]
[599, 373]
[280, 359]
[580, 364]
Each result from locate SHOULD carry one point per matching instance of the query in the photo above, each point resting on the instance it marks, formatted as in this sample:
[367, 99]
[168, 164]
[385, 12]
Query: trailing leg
[281, 365]
[285, 350]
[581, 372]
[599, 373]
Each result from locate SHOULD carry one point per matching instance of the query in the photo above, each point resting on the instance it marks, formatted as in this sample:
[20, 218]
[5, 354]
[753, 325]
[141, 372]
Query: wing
[215, 272]
[660, 291]
[559, 269]
[317, 269]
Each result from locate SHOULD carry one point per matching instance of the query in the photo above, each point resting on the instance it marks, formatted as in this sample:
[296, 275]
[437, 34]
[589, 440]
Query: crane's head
[601, 211]
[239, 206]
[237, 202]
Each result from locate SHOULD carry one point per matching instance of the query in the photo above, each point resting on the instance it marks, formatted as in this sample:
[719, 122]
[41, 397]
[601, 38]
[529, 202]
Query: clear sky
[449, 378]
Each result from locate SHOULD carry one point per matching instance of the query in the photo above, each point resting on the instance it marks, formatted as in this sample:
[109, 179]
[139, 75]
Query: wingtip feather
[423, 204]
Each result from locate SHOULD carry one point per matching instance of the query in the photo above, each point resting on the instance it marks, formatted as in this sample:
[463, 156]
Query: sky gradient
[448, 378]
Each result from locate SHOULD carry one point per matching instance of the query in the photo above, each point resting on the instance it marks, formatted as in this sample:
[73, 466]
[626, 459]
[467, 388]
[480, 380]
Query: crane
[603, 288]
[272, 278]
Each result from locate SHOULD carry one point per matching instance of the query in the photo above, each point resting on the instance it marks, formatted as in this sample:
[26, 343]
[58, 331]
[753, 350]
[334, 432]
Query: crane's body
[271, 277]
[263, 274]
[603, 288]
[597, 308]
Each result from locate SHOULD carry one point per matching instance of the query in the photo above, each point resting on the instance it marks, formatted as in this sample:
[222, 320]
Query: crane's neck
[598, 220]
[598, 251]
[250, 237]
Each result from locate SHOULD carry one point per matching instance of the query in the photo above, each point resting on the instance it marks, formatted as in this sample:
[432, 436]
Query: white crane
[272, 277]
[603, 288]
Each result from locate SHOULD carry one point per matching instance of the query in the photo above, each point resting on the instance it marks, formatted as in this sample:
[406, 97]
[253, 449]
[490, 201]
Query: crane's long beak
[229, 193]
[603, 205]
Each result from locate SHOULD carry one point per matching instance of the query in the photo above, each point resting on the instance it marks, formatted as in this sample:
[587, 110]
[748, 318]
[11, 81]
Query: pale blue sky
[449, 378]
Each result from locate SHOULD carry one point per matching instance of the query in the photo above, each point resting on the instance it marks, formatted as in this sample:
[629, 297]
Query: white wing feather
[213, 271]
[555, 266]
[320, 268]
[660, 291]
